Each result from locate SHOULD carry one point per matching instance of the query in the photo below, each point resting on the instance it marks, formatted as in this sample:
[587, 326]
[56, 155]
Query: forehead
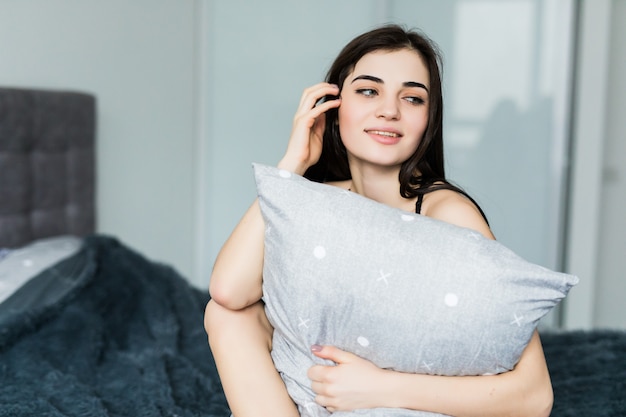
[401, 65]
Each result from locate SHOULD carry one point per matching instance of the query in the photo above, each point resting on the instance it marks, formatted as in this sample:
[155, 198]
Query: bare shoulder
[452, 207]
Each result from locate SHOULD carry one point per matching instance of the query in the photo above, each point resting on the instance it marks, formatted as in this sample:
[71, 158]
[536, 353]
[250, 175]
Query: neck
[378, 183]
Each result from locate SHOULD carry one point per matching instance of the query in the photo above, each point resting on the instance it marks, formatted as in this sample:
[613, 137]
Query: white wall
[262, 55]
[138, 58]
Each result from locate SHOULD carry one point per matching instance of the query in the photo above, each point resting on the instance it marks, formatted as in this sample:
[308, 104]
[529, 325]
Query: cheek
[345, 123]
[349, 119]
[343, 114]
[420, 124]
[349, 134]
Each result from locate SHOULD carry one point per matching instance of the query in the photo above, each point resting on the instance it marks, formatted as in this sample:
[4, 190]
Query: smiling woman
[390, 85]
[412, 60]
[379, 134]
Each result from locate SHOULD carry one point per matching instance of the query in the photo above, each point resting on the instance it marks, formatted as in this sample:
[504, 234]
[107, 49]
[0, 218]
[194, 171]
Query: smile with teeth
[383, 133]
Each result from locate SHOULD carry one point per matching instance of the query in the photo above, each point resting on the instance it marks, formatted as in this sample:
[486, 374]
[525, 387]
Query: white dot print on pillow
[363, 341]
[451, 299]
[319, 252]
[407, 217]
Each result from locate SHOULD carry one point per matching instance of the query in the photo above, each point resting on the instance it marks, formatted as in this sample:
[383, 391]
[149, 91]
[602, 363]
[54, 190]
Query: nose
[388, 109]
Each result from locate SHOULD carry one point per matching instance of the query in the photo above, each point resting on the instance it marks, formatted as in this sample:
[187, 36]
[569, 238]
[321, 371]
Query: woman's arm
[525, 391]
[357, 383]
[239, 333]
[235, 283]
[241, 341]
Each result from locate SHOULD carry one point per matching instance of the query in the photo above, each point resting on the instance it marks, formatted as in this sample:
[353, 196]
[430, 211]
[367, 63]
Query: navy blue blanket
[109, 333]
[588, 371]
[125, 339]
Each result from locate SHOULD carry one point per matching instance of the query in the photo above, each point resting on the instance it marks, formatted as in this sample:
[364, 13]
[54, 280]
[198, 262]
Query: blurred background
[191, 92]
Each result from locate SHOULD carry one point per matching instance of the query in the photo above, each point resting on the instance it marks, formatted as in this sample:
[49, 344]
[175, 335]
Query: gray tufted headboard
[47, 164]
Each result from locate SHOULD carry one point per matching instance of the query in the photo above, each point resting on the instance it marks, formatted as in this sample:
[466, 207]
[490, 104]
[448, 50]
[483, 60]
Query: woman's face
[384, 107]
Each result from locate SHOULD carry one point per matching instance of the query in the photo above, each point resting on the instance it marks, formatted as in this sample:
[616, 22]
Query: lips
[384, 136]
[383, 133]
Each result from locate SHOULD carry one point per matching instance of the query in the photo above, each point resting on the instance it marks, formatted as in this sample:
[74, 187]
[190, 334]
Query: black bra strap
[418, 203]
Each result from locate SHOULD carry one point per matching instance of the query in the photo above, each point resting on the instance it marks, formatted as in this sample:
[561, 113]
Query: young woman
[378, 132]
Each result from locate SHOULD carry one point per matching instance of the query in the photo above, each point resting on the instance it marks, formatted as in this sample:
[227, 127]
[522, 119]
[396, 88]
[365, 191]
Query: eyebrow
[380, 81]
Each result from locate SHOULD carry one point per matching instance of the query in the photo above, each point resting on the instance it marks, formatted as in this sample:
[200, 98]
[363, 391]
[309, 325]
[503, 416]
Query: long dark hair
[424, 171]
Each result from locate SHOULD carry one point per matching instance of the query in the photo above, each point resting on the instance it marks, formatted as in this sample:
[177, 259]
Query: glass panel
[506, 89]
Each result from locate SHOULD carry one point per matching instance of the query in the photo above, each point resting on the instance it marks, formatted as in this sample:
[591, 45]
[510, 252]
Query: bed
[90, 326]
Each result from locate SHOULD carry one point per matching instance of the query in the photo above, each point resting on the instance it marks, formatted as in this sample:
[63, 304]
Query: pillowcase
[405, 291]
[19, 265]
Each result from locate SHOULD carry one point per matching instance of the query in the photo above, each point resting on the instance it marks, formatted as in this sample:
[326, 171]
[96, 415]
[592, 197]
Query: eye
[415, 100]
[367, 92]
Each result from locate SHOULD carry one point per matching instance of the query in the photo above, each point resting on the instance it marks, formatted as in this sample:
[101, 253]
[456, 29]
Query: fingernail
[316, 348]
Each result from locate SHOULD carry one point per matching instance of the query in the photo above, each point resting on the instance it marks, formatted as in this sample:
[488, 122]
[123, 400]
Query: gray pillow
[402, 290]
[19, 265]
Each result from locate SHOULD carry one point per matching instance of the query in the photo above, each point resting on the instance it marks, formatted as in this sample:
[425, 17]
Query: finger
[317, 387]
[319, 124]
[308, 91]
[311, 115]
[326, 402]
[311, 109]
[317, 373]
[312, 95]
[328, 104]
[320, 109]
[332, 353]
[318, 90]
[322, 400]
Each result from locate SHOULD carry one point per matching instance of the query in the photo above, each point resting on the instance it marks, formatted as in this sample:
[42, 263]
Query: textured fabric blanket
[119, 335]
[588, 371]
[125, 339]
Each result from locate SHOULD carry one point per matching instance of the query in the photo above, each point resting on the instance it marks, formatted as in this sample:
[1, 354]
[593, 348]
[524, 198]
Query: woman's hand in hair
[305, 144]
